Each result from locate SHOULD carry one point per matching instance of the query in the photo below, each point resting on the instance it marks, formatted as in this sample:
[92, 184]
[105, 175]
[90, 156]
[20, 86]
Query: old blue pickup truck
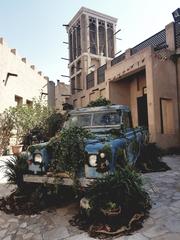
[112, 130]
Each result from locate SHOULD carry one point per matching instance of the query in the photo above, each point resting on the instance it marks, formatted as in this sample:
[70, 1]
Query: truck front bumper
[84, 182]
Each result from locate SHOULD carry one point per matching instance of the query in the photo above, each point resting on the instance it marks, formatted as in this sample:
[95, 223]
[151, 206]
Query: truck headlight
[38, 158]
[93, 160]
[102, 155]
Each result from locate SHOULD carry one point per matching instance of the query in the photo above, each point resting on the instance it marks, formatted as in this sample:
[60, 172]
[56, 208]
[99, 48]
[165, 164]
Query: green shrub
[55, 123]
[21, 119]
[6, 126]
[14, 168]
[124, 188]
[99, 102]
[114, 204]
[68, 149]
[150, 159]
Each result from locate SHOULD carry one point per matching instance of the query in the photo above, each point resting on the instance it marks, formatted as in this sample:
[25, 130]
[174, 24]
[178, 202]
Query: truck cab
[114, 142]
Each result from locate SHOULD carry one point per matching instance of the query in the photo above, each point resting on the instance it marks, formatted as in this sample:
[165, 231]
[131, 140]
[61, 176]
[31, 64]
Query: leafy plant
[150, 159]
[124, 188]
[99, 102]
[110, 206]
[14, 168]
[55, 123]
[107, 150]
[52, 125]
[69, 150]
[6, 126]
[35, 135]
[113, 203]
[103, 165]
[121, 157]
[26, 118]
[20, 120]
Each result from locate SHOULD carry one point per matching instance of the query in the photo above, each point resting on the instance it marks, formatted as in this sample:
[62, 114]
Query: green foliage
[123, 189]
[20, 120]
[39, 147]
[68, 149]
[26, 118]
[121, 158]
[99, 102]
[102, 166]
[110, 205]
[35, 136]
[150, 159]
[107, 150]
[52, 125]
[14, 168]
[55, 123]
[6, 126]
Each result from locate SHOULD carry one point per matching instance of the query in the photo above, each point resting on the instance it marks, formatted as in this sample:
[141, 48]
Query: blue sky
[34, 27]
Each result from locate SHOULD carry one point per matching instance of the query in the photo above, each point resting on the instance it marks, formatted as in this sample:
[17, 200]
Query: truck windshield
[83, 120]
[94, 119]
[108, 118]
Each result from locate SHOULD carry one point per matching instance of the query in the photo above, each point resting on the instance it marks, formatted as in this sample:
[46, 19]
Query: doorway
[142, 111]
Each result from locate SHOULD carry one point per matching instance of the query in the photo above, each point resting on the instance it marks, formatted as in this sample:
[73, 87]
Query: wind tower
[91, 44]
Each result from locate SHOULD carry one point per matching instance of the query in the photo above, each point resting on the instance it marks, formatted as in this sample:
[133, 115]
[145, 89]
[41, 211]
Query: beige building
[62, 94]
[20, 81]
[145, 77]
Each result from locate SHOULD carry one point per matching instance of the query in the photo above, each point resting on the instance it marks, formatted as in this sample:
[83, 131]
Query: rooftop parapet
[24, 60]
[13, 50]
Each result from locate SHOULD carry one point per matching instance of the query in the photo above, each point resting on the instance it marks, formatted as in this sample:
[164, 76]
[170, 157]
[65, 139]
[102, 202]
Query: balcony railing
[118, 59]
[177, 34]
[157, 40]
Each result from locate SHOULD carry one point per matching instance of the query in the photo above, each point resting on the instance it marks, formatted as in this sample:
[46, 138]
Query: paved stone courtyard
[163, 223]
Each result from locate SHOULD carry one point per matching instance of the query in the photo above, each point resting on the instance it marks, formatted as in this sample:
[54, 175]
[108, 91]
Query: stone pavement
[163, 223]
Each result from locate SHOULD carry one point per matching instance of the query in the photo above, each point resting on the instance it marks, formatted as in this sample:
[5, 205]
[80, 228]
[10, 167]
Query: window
[78, 66]
[18, 100]
[102, 37]
[83, 120]
[110, 38]
[78, 82]
[72, 70]
[70, 47]
[78, 39]
[74, 44]
[93, 35]
[29, 103]
[101, 74]
[90, 80]
[109, 118]
[167, 119]
[73, 85]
